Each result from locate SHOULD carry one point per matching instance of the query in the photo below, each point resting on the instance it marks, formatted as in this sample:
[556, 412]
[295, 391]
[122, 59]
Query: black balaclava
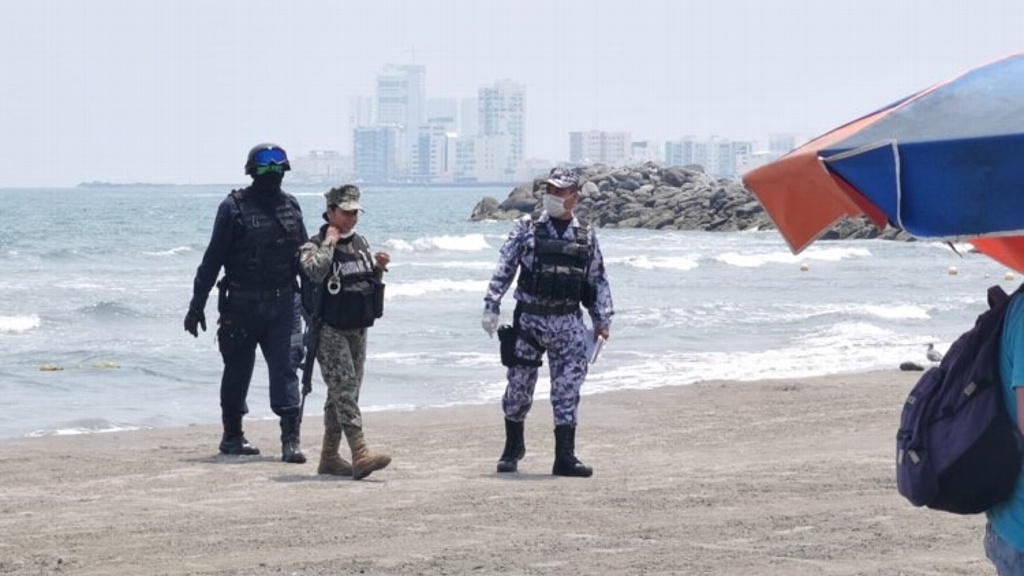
[269, 183]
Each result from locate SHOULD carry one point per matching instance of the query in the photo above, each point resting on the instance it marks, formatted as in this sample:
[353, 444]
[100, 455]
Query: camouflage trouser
[565, 338]
[341, 355]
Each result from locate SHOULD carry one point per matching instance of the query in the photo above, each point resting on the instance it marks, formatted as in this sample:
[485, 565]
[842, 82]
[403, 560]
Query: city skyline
[176, 93]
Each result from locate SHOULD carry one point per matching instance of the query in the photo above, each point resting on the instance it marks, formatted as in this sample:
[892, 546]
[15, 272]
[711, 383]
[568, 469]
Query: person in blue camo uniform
[256, 238]
[560, 268]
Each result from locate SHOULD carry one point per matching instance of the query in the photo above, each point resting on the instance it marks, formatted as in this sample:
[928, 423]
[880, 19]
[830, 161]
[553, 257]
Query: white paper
[594, 350]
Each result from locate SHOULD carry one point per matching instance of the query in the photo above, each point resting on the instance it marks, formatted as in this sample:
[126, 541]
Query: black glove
[193, 319]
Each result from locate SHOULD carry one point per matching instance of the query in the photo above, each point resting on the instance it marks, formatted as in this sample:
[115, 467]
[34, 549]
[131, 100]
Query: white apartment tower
[402, 102]
[360, 111]
[402, 96]
[501, 124]
[610, 148]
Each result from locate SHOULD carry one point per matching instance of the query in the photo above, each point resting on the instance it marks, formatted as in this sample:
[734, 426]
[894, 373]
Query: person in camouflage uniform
[338, 261]
[560, 267]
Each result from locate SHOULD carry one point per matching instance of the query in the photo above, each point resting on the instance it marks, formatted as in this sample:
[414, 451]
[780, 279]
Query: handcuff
[334, 285]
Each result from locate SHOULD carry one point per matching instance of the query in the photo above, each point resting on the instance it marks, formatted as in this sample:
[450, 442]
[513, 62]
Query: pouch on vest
[507, 337]
[378, 298]
[358, 307]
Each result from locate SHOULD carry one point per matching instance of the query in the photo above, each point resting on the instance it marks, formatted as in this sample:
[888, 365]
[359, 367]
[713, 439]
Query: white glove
[489, 322]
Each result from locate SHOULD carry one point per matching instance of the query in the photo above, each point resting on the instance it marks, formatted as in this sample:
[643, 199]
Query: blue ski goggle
[270, 156]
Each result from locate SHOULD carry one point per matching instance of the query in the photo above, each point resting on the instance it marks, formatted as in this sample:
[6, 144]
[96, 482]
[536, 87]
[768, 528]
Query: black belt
[271, 294]
[546, 309]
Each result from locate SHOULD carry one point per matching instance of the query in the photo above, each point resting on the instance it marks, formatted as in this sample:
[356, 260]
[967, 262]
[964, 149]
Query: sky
[177, 92]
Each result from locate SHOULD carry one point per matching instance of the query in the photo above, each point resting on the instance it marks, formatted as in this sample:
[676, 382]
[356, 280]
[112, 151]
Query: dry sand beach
[775, 477]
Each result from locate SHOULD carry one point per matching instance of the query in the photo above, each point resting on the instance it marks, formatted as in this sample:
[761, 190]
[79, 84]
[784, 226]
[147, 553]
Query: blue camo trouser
[268, 324]
[565, 338]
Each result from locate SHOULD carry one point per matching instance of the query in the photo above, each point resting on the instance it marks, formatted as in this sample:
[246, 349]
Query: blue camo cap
[563, 178]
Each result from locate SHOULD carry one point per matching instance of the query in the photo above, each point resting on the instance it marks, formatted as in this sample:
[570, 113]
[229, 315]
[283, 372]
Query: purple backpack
[957, 449]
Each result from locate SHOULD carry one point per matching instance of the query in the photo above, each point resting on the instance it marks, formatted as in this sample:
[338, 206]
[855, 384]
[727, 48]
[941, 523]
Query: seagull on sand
[932, 354]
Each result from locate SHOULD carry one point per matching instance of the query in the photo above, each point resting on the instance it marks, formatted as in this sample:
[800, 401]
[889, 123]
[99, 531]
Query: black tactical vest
[559, 272]
[265, 257]
[352, 297]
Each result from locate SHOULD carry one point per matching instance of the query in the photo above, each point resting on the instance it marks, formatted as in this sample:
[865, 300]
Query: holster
[507, 337]
[222, 296]
[232, 335]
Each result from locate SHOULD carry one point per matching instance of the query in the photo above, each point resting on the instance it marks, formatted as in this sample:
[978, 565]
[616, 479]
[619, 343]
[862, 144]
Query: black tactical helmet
[264, 154]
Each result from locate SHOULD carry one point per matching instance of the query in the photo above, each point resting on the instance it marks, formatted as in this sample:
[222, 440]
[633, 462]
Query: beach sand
[777, 477]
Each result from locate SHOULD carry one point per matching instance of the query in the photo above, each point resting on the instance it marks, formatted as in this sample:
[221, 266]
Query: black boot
[566, 463]
[515, 447]
[290, 450]
[233, 441]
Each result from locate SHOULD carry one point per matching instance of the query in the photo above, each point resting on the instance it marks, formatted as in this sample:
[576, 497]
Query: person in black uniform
[256, 238]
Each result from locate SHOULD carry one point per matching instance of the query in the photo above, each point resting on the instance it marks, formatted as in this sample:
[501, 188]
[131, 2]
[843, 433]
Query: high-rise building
[401, 95]
[502, 121]
[434, 154]
[720, 157]
[320, 166]
[596, 146]
[375, 153]
[360, 111]
[401, 102]
[780, 144]
[465, 160]
[443, 112]
[469, 117]
[641, 151]
[492, 155]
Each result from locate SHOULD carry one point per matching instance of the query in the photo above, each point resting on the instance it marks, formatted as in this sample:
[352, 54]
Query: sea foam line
[781, 257]
[170, 252]
[18, 324]
[412, 289]
[464, 243]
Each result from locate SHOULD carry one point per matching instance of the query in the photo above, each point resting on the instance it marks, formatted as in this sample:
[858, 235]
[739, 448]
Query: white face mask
[554, 205]
[347, 235]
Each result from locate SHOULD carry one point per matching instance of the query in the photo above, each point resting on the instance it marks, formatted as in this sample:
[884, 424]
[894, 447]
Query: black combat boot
[290, 450]
[566, 463]
[515, 447]
[233, 441]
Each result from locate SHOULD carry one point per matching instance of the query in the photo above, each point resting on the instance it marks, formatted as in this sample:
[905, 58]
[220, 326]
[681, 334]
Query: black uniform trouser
[269, 324]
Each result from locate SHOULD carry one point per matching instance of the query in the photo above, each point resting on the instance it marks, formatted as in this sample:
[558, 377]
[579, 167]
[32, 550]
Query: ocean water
[94, 283]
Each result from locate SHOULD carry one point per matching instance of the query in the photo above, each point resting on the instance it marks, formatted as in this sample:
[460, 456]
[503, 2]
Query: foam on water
[424, 287]
[18, 324]
[680, 263]
[463, 243]
[170, 252]
[756, 260]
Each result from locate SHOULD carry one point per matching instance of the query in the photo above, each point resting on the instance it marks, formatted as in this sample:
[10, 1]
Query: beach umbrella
[945, 163]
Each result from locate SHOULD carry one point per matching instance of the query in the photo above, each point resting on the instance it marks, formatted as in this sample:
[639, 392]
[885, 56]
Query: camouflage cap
[346, 197]
[563, 178]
